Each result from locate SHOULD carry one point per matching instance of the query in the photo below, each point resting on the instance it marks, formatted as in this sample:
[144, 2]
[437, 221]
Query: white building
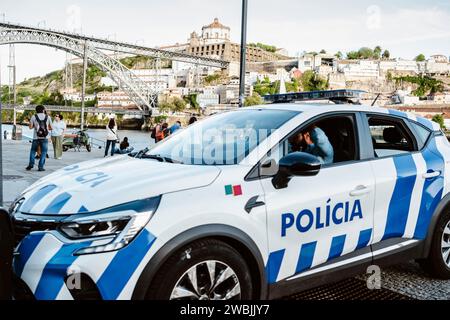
[76, 97]
[359, 70]
[207, 99]
[157, 79]
[313, 62]
[117, 99]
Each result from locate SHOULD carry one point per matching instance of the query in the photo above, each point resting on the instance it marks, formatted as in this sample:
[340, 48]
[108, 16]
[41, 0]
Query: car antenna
[375, 100]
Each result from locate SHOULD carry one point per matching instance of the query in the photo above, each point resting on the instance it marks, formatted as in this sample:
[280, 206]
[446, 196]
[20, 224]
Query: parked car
[229, 208]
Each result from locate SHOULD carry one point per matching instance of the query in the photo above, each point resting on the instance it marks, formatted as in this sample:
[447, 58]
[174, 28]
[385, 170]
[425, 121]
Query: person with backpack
[111, 136]
[42, 125]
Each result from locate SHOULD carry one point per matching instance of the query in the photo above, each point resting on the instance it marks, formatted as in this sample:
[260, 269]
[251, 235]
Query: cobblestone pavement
[405, 281]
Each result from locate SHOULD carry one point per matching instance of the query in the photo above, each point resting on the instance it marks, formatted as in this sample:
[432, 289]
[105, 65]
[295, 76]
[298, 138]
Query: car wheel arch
[443, 207]
[237, 238]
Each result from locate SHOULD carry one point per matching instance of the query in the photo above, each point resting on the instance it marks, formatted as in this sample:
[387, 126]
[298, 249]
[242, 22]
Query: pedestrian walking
[111, 136]
[58, 129]
[42, 125]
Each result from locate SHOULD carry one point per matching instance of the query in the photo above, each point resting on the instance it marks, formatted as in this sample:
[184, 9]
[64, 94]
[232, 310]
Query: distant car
[228, 209]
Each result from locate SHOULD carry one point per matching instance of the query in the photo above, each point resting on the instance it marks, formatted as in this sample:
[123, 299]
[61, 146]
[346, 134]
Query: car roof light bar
[337, 96]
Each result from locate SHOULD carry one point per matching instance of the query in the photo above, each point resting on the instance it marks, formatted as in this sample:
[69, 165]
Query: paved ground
[406, 281]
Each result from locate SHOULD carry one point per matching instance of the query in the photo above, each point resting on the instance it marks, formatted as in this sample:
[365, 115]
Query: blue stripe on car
[401, 197]
[26, 248]
[337, 246]
[432, 189]
[306, 256]
[29, 204]
[56, 205]
[123, 265]
[364, 238]
[55, 271]
[273, 265]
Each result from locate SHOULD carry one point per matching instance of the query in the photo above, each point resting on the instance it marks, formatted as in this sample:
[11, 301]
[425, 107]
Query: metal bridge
[77, 109]
[93, 49]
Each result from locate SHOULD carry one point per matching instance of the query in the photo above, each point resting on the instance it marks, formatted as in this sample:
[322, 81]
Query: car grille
[22, 228]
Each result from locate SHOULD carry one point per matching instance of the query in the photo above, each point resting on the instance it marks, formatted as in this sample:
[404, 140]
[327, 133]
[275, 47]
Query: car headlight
[122, 223]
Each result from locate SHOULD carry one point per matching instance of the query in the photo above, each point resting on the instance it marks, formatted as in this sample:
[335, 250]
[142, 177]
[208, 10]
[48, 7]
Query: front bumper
[46, 264]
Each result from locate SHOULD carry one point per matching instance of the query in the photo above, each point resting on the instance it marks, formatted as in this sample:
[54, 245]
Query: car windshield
[223, 139]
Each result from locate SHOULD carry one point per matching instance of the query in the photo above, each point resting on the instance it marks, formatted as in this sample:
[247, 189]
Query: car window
[331, 139]
[222, 139]
[422, 134]
[390, 137]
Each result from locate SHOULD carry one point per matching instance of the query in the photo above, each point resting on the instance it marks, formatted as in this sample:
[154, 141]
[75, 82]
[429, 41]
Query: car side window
[390, 137]
[422, 134]
[332, 139]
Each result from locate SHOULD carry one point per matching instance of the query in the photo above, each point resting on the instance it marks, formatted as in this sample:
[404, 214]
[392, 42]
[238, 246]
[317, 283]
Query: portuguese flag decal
[233, 190]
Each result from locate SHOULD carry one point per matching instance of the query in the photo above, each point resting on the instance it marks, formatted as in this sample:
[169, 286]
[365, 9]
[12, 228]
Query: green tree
[312, 82]
[386, 54]
[420, 58]
[253, 100]
[438, 118]
[339, 55]
[178, 105]
[377, 52]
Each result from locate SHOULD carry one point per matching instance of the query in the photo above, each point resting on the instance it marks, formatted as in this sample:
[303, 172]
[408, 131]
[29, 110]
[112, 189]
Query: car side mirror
[295, 164]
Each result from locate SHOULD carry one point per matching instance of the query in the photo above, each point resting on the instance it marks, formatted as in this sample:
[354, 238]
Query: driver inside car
[314, 141]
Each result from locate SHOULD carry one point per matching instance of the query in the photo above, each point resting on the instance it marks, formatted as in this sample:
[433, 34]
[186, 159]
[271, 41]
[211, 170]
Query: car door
[408, 177]
[317, 219]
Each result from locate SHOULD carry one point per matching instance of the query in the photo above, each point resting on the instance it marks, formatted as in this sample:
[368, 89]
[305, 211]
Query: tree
[312, 82]
[178, 105]
[420, 58]
[339, 55]
[377, 52]
[323, 51]
[386, 54]
[253, 100]
[438, 118]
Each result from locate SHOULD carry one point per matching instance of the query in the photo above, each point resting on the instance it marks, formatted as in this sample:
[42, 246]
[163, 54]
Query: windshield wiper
[160, 158]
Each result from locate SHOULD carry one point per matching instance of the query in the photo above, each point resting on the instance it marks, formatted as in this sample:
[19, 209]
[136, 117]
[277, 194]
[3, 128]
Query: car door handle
[432, 174]
[359, 191]
[253, 203]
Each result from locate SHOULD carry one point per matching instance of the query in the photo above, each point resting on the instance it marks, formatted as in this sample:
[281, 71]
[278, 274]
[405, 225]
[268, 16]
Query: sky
[404, 27]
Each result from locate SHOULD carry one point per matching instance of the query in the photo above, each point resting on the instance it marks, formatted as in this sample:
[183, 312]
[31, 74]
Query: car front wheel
[204, 270]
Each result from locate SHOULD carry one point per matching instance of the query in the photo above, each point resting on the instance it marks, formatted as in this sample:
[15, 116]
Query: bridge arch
[139, 91]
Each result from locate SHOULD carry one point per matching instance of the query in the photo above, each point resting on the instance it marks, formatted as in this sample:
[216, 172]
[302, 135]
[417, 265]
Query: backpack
[42, 130]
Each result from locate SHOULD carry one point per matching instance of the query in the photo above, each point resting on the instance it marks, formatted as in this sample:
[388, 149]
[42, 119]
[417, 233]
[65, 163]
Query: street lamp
[243, 53]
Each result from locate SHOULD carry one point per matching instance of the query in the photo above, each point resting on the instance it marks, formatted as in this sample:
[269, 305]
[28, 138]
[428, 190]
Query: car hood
[99, 184]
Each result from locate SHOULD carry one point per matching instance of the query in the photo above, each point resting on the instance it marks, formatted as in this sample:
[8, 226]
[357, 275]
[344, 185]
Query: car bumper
[46, 265]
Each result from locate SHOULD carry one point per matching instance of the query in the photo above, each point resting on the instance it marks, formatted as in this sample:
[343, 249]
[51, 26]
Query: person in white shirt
[58, 128]
[111, 136]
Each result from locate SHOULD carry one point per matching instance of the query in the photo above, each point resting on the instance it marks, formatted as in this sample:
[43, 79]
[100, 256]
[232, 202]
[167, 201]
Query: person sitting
[313, 141]
[124, 147]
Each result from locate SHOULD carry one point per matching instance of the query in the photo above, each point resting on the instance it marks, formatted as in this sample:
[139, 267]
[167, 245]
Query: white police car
[225, 209]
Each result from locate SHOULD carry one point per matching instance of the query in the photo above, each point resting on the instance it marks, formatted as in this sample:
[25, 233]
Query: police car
[229, 208]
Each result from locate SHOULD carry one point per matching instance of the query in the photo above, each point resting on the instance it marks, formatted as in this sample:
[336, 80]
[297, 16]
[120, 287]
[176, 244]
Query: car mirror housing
[295, 164]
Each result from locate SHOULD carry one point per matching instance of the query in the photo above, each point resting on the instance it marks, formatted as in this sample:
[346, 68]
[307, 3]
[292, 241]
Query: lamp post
[243, 53]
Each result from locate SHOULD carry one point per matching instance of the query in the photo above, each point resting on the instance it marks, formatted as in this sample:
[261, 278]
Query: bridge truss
[139, 91]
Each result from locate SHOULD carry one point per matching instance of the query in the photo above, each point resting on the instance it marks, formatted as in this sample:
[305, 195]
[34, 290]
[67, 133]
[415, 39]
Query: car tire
[438, 262]
[199, 258]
